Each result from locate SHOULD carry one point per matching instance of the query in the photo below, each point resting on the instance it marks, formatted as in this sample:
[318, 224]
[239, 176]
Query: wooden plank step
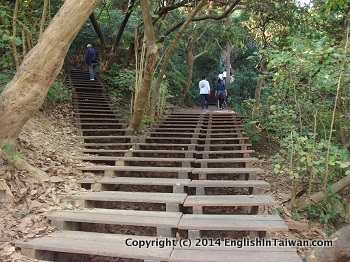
[97, 110]
[201, 146]
[244, 170]
[139, 197]
[119, 217]
[104, 130]
[228, 160]
[107, 144]
[232, 222]
[228, 183]
[100, 244]
[137, 181]
[139, 159]
[94, 106]
[225, 152]
[88, 103]
[101, 124]
[100, 119]
[94, 114]
[234, 253]
[223, 139]
[102, 137]
[138, 151]
[230, 200]
[223, 126]
[152, 134]
[92, 96]
[137, 168]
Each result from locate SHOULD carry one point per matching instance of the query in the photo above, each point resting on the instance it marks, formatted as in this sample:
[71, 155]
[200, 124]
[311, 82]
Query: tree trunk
[259, 85]
[190, 58]
[15, 54]
[98, 30]
[24, 95]
[169, 54]
[336, 187]
[189, 64]
[43, 17]
[228, 65]
[151, 58]
[123, 25]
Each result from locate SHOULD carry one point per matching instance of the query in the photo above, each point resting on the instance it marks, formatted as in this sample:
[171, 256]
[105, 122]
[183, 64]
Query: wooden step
[220, 139]
[171, 134]
[225, 152]
[94, 114]
[137, 181]
[227, 170]
[138, 159]
[108, 144]
[118, 217]
[137, 168]
[228, 183]
[230, 252]
[97, 110]
[228, 160]
[105, 183]
[232, 222]
[222, 146]
[99, 244]
[101, 124]
[99, 119]
[137, 197]
[103, 137]
[230, 200]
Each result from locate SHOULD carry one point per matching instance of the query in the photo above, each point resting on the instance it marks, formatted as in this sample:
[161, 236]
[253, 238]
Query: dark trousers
[221, 102]
[204, 101]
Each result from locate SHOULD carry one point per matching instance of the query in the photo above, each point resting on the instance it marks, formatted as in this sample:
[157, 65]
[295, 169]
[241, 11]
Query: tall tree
[168, 55]
[24, 95]
[151, 58]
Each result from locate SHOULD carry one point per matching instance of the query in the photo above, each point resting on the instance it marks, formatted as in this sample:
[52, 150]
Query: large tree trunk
[24, 95]
[189, 64]
[190, 58]
[259, 85]
[169, 54]
[151, 58]
[228, 64]
[317, 197]
[98, 31]
[123, 25]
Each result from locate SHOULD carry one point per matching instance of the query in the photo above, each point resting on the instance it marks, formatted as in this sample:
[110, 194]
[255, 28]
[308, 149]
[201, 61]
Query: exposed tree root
[33, 171]
[336, 187]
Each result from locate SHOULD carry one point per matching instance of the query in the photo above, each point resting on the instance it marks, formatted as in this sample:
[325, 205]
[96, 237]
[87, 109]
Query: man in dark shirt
[90, 55]
[221, 93]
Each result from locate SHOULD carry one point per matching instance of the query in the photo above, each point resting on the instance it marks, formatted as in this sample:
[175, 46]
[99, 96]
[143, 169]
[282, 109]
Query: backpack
[94, 57]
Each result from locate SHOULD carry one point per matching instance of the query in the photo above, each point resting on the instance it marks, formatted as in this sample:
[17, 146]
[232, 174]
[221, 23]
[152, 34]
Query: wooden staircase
[167, 196]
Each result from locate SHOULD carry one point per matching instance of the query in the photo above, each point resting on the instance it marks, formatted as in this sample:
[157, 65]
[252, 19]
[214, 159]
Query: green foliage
[5, 77]
[11, 154]
[123, 79]
[327, 210]
[57, 93]
[302, 157]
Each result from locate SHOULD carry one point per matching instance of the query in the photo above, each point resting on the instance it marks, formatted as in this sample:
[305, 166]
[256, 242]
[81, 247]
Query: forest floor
[49, 142]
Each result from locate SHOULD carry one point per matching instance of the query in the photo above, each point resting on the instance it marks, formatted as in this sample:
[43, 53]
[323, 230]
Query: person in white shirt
[204, 91]
[224, 76]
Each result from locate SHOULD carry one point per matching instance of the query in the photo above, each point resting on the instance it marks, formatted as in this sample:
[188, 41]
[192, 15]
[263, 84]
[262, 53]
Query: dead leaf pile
[48, 141]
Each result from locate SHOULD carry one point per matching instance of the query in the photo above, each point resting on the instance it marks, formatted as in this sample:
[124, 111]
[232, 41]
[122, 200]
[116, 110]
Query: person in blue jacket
[221, 93]
[91, 55]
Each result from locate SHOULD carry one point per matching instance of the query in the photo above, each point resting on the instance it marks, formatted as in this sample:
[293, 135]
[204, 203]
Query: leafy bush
[57, 93]
[5, 77]
[123, 79]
